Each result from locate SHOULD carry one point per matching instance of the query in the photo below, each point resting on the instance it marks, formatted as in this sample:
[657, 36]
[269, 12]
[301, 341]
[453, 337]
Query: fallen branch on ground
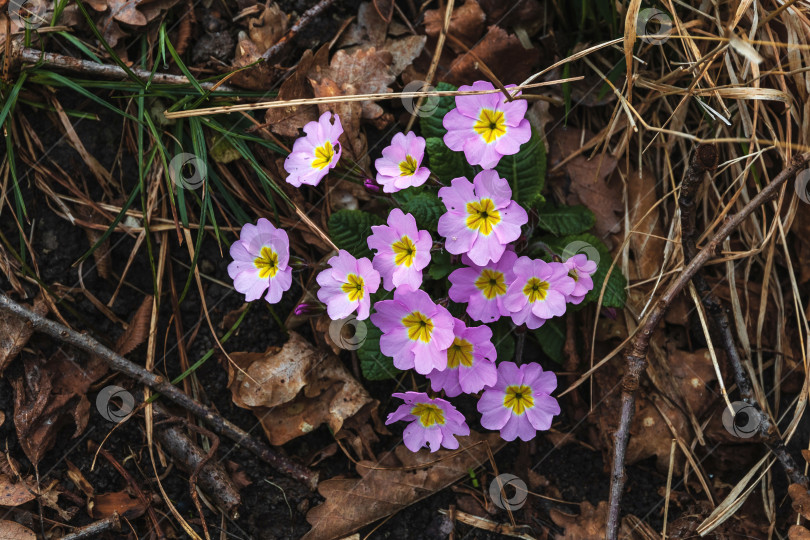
[219, 425]
[636, 351]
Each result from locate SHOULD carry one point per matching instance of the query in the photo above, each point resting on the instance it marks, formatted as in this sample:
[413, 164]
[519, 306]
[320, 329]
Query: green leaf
[350, 229]
[445, 163]
[525, 171]
[503, 338]
[565, 220]
[433, 111]
[593, 247]
[440, 265]
[374, 364]
[551, 337]
[426, 208]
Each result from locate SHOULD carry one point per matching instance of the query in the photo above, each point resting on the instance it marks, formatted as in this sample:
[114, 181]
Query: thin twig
[95, 529]
[219, 425]
[636, 352]
[302, 21]
[88, 67]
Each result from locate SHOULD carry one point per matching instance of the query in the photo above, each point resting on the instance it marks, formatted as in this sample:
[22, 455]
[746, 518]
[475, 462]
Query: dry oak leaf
[588, 525]
[387, 487]
[14, 493]
[466, 24]
[495, 46]
[287, 121]
[15, 333]
[369, 28]
[589, 180]
[304, 388]
[650, 434]
[11, 530]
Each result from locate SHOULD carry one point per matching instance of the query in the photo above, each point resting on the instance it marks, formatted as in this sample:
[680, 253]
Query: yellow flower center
[518, 398]
[323, 155]
[482, 215]
[490, 125]
[491, 283]
[353, 287]
[460, 352]
[266, 262]
[573, 274]
[428, 414]
[408, 167]
[536, 289]
[419, 326]
[404, 251]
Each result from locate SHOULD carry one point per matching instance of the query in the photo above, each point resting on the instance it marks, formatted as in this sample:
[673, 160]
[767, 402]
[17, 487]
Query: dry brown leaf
[496, 45]
[11, 530]
[51, 394]
[693, 371]
[404, 51]
[647, 241]
[15, 333]
[82, 483]
[387, 487]
[364, 70]
[259, 76]
[138, 328]
[588, 525]
[288, 121]
[797, 532]
[385, 9]
[14, 493]
[303, 387]
[266, 29]
[589, 180]
[466, 24]
[120, 502]
[368, 29]
[650, 435]
[801, 499]
[806, 454]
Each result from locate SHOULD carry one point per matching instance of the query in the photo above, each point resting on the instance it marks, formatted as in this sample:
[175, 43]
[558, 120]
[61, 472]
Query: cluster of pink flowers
[480, 223]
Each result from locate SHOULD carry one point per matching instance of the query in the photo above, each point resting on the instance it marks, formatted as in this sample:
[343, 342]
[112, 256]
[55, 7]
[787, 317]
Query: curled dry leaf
[303, 387]
[138, 328]
[386, 487]
[15, 333]
[11, 530]
[496, 45]
[51, 394]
